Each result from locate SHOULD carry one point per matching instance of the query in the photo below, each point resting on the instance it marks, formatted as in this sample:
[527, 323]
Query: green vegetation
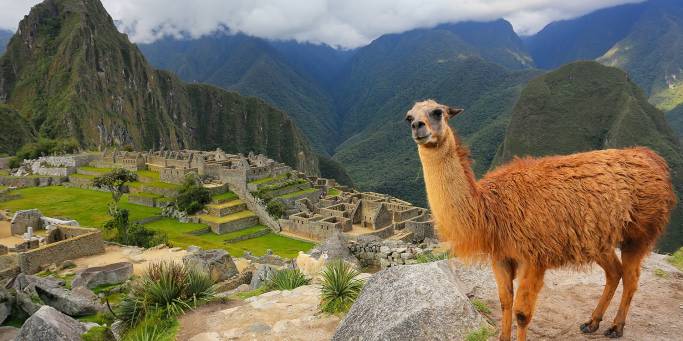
[677, 259]
[269, 179]
[287, 279]
[661, 273]
[251, 293]
[154, 327]
[481, 334]
[44, 147]
[15, 130]
[100, 333]
[166, 289]
[429, 257]
[339, 287]
[481, 306]
[223, 197]
[131, 233]
[192, 196]
[227, 218]
[148, 174]
[115, 182]
[96, 169]
[297, 193]
[276, 208]
[88, 207]
[333, 192]
[181, 235]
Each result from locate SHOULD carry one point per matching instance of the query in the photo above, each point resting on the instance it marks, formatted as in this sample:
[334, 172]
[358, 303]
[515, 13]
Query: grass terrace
[269, 179]
[227, 218]
[88, 207]
[184, 235]
[297, 193]
[333, 192]
[223, 197]
[95, 169]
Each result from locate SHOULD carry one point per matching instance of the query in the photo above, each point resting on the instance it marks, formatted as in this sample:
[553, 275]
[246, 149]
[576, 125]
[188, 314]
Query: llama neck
[453, 195]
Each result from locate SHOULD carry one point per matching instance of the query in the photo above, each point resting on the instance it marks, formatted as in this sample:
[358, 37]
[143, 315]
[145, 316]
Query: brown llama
[532, 215]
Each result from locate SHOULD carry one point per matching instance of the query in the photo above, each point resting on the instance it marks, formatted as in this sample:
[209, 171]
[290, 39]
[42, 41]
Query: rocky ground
[276, 315]
[565, 302]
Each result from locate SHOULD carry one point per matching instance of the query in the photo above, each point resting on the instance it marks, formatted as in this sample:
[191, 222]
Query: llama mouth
[422, 139]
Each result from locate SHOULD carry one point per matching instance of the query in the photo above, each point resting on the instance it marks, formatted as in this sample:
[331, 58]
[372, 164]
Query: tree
[115, 182]
[192, 196]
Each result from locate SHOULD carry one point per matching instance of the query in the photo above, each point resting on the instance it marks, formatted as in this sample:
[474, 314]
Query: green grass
[333, 192]
[227, 196]
[147, 195]
[661, 273]
[148, 174]
[95, 169]
[481, 306]
[297, 193]
[83, 176]
[267, 180]
[677, 259]
[88, 207]
[164, 185]
[179, 235]
[227, 218]
[153, 328]
[481, 334]
[251, 293]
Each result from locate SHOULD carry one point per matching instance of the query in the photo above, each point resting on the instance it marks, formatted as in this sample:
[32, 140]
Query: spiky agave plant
[287, 279]
[339, 287]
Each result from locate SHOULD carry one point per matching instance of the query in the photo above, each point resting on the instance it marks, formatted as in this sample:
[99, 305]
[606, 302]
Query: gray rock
[77, 302]
[193, 248]
[262, 274]
[217, 262]
[104, 275]
[118, 328]
[49, 324]
[89, 325]
[27, 298]
[413, 302]
[336, 247]
[8, 333]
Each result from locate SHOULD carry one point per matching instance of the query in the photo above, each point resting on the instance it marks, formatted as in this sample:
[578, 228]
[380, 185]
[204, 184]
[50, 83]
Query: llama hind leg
[504, 272]
[530, 285]
[612, 266]
[631, 257]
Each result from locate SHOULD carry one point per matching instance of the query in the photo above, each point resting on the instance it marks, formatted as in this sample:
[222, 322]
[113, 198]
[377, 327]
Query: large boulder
[103, 275]
[27, 298]
[261, 276]
[6, 302]
[411, 302]
[49, 324]
[335, 247]
[216, 262]
[79, 301]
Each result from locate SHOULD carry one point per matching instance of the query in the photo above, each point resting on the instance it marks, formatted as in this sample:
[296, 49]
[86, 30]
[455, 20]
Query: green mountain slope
[652, 53]
[15, 131]
[584, 106]
[72, 74]
[252, 67]
[386, 77]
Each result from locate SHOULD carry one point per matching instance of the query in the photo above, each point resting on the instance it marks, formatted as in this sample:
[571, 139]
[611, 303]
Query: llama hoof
[589, 327]
[614, 332]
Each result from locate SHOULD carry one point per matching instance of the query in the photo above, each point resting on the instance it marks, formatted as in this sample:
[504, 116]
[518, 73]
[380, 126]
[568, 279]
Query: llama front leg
[505, 274]
[612, 266]
[530, 285]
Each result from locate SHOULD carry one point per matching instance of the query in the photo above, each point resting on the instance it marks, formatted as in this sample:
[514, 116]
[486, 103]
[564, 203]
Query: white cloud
[346, 23]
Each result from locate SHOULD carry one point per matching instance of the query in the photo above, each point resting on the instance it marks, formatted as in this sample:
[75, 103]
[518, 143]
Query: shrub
[132, 233]
[481, 306]
[192, 196]
[677, 259]
[429, 257]
[166, 288]
[115, 182]
[287, 279]
[44, 147]
[340, 288]
[276, 208]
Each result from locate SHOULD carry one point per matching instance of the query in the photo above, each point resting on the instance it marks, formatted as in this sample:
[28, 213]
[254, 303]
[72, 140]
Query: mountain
[652, 53]
[5, 36]
[385, 78]
[70, 73]
[583, 38]
[277, 73]
[15, 131]
[585, 106]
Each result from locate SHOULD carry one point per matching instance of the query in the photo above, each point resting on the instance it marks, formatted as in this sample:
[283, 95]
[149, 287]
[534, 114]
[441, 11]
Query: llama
[531, 215]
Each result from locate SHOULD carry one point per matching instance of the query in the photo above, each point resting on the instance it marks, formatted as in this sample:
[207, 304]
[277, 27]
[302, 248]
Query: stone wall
[30, 181]
[4, 162]
[220, 228]
[85, 244]
[175, 175]
[23, 219]
[386, 253]
[249, 236]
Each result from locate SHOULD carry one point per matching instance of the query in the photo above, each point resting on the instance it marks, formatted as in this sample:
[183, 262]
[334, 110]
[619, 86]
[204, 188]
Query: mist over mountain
[5, 36]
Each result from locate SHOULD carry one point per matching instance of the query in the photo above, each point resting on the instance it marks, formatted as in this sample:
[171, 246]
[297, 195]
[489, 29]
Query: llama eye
[437, 113]
[409, 119]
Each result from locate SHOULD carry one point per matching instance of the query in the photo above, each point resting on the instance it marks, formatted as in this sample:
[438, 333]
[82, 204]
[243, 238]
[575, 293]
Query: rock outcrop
[49, 324]
[77, 302]
[412, 302]
[103, 275]
[335, 247]
[216, 262]
[262, 274]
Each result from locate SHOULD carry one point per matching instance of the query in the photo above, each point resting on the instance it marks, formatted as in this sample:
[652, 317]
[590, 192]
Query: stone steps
[227, 208]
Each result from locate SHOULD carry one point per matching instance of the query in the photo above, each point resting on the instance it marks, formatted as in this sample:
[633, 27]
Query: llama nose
[417, 124]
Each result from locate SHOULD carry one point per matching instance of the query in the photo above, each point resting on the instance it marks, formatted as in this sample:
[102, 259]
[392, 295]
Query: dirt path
[568, 298]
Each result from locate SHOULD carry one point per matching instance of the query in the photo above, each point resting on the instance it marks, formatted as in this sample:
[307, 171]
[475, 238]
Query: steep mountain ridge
[5, 36]
[586, 106]
[70, 73]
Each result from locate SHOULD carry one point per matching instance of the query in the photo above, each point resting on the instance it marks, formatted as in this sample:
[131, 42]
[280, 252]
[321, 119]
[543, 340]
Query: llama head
[428, 121]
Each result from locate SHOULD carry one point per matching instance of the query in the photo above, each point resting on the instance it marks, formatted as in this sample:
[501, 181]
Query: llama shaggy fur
[531, 215]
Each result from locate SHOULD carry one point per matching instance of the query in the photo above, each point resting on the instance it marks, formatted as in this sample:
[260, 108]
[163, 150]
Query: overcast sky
[345, 23]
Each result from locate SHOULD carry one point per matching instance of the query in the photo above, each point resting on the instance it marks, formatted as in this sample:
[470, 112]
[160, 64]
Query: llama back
[571, 209]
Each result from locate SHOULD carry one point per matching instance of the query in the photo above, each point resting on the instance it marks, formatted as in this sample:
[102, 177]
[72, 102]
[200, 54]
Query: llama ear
[452, 112]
